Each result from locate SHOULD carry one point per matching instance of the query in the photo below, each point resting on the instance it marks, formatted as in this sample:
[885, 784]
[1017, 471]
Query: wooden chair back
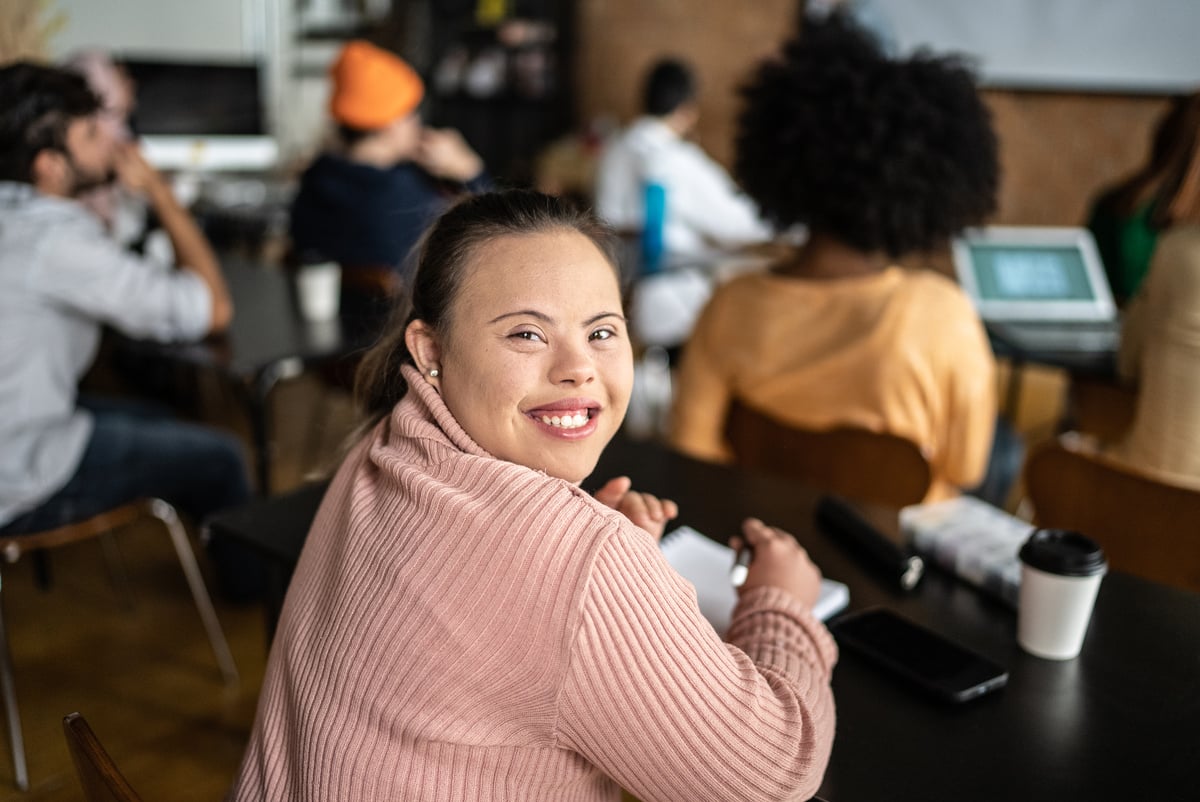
[102, 781]
[1103, 408]
[378, 281]
[859, 464]
[13, 547]
[1146, 527]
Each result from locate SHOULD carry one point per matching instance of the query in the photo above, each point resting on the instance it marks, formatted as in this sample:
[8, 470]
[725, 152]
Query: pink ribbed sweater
[464, 628]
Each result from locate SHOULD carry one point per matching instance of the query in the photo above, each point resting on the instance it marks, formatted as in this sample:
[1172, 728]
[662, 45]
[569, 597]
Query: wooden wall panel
[620, 39]
[1057, 148]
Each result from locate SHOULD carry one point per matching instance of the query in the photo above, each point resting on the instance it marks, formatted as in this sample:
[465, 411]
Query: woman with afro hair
[882, 160]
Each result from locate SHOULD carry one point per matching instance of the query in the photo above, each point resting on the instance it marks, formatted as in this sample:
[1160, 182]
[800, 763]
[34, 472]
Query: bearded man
[62, 277]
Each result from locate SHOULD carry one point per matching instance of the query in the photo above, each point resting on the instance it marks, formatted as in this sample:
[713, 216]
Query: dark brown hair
[1179, 201]
[37, 104]
[444, 253]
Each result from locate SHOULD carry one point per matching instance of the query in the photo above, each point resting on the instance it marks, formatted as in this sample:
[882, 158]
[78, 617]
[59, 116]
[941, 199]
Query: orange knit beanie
[372, 87]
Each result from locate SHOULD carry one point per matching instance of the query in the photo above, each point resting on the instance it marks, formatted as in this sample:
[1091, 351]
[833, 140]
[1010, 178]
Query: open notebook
[706, 563]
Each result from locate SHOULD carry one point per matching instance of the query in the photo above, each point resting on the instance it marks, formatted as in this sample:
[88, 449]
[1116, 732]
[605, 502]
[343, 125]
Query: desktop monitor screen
[1033, 273]
[190, 98]
[1023, 272]
[201, 116]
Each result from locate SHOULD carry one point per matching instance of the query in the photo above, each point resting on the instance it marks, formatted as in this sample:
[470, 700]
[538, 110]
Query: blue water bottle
[655, 200]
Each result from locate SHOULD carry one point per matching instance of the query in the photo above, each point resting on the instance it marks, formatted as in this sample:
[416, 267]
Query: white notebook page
[706, 563]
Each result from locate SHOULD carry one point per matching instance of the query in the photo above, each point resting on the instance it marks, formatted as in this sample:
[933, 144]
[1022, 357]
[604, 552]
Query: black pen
[741, 566]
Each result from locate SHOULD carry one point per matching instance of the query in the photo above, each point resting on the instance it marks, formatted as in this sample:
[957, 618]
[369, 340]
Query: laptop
[1039, 289]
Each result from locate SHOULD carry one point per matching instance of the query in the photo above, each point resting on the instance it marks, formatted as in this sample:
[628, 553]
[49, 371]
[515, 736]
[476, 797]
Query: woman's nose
[572, 365]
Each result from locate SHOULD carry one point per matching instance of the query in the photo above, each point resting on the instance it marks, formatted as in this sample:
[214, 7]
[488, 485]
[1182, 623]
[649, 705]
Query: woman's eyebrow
[542, 316]
[602, 315]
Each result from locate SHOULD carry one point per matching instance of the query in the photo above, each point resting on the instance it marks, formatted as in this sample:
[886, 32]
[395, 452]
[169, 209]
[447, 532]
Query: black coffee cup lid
[1062, 552]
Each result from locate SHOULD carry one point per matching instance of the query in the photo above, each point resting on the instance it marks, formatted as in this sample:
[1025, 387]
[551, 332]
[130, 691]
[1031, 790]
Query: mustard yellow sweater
[899, 351]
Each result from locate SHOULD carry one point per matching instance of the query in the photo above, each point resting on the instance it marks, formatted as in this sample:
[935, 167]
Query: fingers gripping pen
[741, 566]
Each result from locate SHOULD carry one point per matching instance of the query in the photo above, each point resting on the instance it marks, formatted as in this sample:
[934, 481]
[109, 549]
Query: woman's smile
[536, 363]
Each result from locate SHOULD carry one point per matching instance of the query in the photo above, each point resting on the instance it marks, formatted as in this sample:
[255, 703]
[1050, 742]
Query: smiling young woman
[465, 623]
[536, 361]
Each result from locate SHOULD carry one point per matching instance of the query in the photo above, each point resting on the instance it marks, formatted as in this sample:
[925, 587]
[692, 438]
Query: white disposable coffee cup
[1060, 576]
[319, 287]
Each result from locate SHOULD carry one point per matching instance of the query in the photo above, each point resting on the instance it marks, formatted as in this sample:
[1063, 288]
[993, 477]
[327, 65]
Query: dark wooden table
[1121, 722]
[267, 342]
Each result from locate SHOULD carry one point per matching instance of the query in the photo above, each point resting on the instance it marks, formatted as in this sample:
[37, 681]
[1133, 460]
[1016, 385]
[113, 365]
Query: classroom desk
[267, 342]
[1121, 722]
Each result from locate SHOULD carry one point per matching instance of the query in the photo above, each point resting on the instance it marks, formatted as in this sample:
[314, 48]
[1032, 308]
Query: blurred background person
[123, 213]
[366, 201]
[704, 207]
[1122, 218]
[699, 207]
[1160, 338]
[880, 159]
[67, 458]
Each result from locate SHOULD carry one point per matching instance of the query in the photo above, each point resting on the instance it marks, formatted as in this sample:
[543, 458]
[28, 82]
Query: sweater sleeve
[656, 700]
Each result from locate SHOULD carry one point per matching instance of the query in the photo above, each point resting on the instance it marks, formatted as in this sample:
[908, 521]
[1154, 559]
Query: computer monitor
[1033, 273]
[201, 115]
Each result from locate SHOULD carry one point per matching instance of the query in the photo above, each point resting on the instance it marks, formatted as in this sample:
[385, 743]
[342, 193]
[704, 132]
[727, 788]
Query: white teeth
[566, 421]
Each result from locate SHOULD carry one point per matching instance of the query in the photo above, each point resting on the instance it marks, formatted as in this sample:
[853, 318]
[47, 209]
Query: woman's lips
[569, 419]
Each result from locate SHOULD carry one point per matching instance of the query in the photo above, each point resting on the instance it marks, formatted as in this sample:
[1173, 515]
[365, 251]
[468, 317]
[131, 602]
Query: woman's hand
[443, 152]
[779, 562]
[649, 512]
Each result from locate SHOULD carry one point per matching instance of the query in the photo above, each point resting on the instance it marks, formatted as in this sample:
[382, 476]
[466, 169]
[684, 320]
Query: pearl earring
[434, 373]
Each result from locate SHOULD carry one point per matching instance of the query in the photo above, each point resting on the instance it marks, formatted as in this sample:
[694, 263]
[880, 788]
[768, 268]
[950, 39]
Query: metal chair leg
[11, 713]
[187, 560]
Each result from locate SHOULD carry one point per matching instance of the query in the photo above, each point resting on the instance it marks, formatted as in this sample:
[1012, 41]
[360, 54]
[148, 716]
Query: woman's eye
[602, 334]
[529, 336]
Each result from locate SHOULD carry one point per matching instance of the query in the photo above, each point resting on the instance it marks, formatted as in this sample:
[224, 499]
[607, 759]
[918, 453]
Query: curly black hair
[880, 154]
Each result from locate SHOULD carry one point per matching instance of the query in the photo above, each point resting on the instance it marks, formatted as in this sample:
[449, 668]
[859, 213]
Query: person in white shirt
[704, 207]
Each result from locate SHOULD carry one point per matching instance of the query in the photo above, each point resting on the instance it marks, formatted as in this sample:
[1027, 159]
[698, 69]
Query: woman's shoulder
[746, 290]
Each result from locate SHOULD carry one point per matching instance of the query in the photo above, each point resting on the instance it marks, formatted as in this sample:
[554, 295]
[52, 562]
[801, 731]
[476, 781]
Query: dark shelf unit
[509, 128]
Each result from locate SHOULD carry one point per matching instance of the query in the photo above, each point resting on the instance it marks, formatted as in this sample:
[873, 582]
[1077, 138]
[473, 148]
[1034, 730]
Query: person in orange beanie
[366, 200]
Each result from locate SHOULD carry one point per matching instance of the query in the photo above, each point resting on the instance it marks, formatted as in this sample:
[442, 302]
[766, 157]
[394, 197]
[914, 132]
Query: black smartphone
[931, 660]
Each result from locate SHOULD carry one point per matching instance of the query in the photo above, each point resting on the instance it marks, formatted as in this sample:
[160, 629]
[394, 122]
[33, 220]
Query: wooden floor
[143, 674]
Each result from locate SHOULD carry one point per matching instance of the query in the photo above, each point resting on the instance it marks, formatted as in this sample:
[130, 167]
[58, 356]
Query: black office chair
[276, 527]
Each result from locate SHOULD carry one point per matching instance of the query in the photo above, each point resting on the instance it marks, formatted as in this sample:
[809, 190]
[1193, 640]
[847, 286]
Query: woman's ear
[423, 344]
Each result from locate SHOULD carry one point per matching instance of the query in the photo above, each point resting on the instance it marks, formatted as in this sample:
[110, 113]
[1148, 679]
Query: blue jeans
[138, 450]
